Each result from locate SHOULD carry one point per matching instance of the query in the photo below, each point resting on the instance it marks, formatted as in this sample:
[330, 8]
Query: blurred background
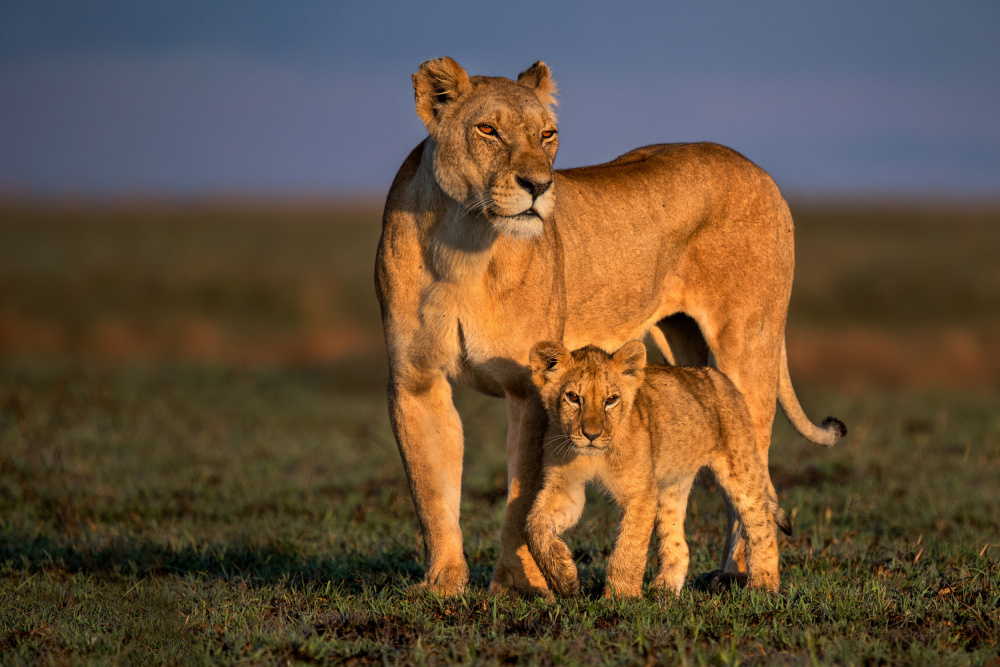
[191, 181]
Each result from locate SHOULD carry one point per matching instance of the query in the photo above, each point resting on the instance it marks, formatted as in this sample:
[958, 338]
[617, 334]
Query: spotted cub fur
[643, 432]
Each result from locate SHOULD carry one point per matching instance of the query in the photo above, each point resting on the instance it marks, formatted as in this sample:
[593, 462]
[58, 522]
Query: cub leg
[558, 507]
[628, 561]
[757, 385]
[747, 349]
[516, 569]
[734, 559]
[747, 492]
[672, 548]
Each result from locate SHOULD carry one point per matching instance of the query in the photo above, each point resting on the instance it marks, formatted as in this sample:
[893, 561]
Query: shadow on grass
[255, 564]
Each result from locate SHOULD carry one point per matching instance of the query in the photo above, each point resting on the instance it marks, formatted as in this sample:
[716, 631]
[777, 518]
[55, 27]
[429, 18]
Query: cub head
[588, 392]
[493, 141]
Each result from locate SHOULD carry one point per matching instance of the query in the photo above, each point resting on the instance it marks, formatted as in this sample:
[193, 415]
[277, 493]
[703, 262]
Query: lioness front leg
[429, 433]
[628, 561]
[557, 508]
[516, 569]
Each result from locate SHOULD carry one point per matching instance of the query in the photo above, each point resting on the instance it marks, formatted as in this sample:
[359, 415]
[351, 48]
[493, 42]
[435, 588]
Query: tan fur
[643, 433]
[486, 249]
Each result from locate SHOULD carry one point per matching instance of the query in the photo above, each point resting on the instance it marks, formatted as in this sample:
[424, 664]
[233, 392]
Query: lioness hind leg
[671, 548]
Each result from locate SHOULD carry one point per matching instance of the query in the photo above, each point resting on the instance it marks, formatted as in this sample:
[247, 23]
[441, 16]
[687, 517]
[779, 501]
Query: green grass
[202, 515]
[163, 508]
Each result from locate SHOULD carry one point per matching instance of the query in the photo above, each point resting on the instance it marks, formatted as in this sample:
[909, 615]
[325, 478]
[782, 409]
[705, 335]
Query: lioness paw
[447, 581]
[717, 581]
[518, 574]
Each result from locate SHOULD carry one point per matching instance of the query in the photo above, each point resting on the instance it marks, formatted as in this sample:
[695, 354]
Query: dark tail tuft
[835, 425]
[780, 518]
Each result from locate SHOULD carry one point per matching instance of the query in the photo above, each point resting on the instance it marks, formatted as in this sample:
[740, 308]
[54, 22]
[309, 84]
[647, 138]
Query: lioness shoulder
[643, 432]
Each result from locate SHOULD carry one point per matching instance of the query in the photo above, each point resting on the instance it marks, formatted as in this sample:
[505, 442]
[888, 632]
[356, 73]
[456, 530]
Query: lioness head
[588, 392]
[494, 141]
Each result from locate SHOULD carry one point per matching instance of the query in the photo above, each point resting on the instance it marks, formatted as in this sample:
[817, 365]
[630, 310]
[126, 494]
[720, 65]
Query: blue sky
[239, 96]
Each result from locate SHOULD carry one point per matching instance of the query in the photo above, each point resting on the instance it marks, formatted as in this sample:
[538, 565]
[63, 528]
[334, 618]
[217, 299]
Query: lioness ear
[538, 77]
[437, 84]
[548, 359]
[631, 357]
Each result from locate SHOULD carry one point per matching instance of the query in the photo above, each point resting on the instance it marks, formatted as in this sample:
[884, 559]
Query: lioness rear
[643, 433]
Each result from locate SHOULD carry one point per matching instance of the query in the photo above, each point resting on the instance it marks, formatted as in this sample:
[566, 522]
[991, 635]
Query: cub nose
[592, 434]
[534, 187]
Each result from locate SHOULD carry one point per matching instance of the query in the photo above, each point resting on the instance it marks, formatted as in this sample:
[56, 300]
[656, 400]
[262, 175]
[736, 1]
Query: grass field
[196, 465]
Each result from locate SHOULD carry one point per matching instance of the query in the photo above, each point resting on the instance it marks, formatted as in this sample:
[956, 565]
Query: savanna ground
[196, 465]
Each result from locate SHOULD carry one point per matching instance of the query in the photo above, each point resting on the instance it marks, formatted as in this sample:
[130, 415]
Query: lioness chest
[488, 333]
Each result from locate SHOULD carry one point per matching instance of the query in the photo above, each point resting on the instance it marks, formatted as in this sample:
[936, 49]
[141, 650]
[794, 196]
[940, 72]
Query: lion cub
[643, 433]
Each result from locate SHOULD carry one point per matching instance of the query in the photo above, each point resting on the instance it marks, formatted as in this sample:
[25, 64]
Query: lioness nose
[534, 187]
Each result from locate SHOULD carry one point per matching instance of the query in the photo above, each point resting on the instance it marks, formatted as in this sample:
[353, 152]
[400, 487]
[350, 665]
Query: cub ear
[630, 357]
[548, 359]
[540, 79]
[437, 84]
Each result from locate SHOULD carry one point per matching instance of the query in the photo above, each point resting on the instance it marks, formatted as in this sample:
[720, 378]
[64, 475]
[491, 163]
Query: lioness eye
[611, 402]
[486, 129]
[548, 134]
[572, 398]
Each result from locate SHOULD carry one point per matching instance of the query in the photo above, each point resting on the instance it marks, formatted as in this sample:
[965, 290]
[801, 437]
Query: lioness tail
[780, 518]
[827, 433]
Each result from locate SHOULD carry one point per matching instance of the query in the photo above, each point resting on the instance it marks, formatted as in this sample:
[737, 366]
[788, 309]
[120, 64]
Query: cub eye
[611, 401]
[572, 398]
[548, 134]
[488, 130]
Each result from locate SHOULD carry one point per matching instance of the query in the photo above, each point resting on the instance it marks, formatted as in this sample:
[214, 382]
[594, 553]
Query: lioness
[643, 433]
[485, 250]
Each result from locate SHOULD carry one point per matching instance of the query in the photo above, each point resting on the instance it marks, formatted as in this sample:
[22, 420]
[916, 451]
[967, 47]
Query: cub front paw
[565, 585]
[669, 583]
[622, 591]
[556, 563]
[560, 571]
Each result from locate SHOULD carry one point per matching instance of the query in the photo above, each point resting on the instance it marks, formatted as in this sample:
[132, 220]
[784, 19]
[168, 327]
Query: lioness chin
[643, 433]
